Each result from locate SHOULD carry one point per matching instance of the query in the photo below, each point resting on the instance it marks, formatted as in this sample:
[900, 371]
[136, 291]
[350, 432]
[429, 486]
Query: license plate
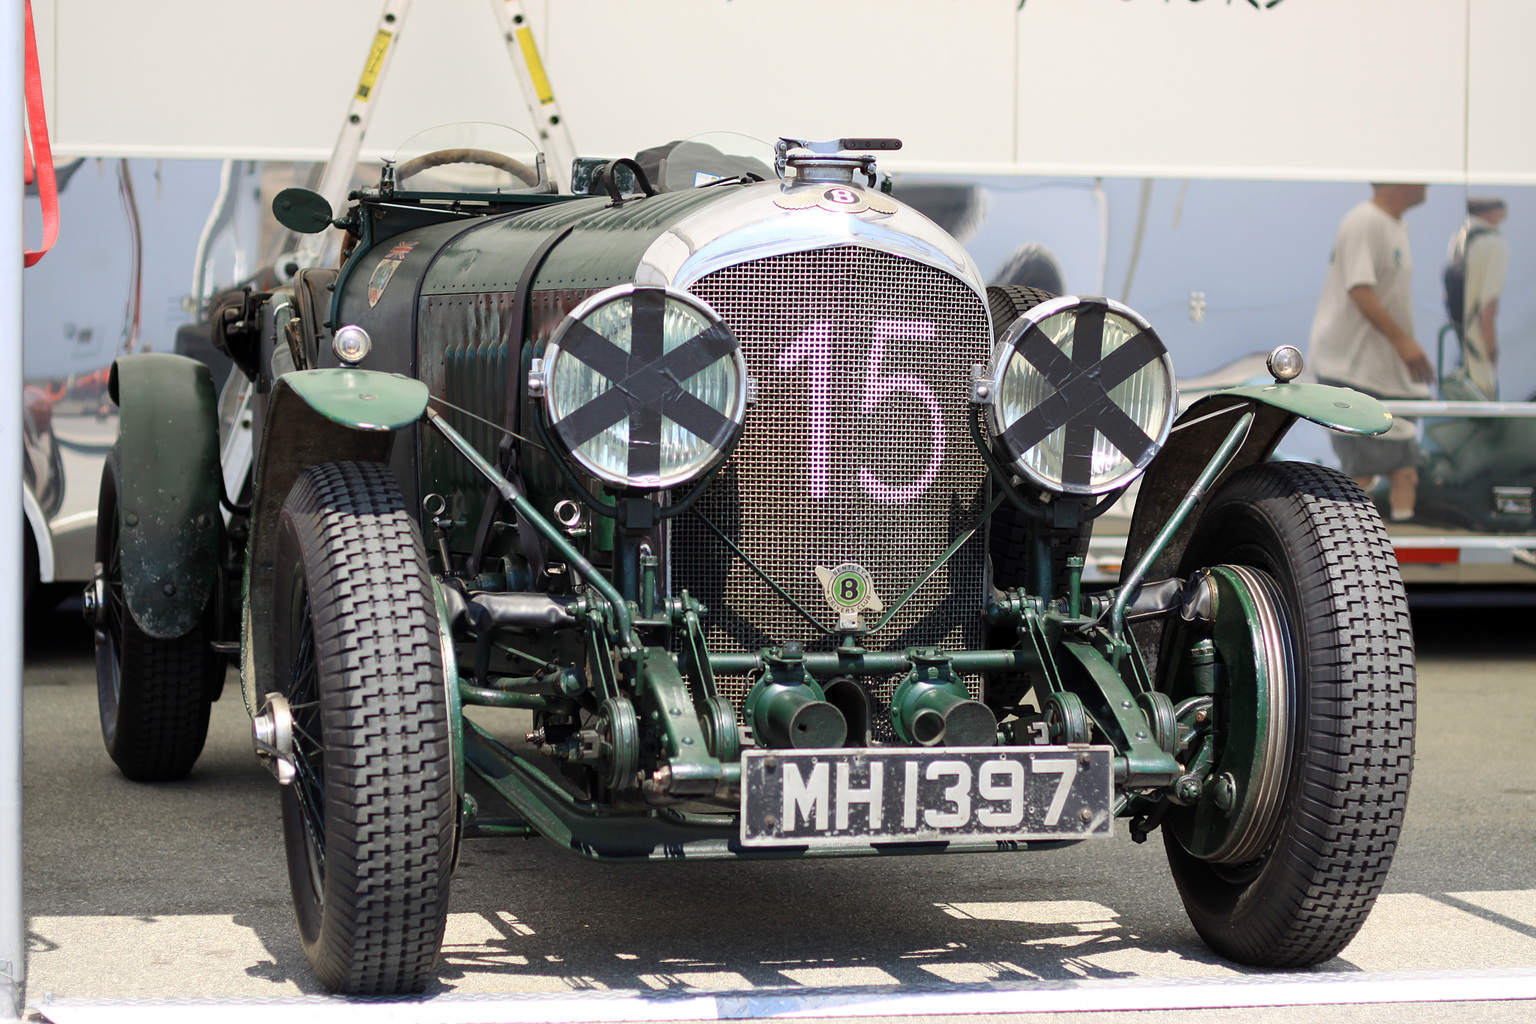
[856, 797]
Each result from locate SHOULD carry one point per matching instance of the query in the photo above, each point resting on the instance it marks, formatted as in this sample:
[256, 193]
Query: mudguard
[1200, 430]
[168, 505]
[313, 416]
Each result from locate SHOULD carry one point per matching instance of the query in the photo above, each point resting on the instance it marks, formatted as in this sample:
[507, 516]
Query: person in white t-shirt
[1362, 336]
[1485, 257]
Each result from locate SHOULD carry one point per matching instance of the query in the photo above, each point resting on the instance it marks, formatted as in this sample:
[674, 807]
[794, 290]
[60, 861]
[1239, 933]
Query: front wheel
[368, 818]
[1302, 651]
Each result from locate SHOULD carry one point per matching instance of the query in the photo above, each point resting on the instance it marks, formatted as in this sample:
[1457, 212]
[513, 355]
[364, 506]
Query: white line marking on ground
[1025, 997]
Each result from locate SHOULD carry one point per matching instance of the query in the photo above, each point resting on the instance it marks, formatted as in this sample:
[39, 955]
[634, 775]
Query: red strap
[47, 188]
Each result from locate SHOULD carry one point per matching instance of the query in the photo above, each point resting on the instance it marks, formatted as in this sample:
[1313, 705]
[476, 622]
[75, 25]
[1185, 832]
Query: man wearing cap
[1482, 251]
[1362, 336]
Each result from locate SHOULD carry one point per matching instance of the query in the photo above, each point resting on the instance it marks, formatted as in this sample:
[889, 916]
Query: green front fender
[168, 503]
[360, 400]
[313, 416]
[1199, 432]
[1341, 409]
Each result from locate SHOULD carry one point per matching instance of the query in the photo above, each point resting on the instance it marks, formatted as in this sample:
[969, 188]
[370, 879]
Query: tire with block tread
[152, 693]
[369, 819]
[1008, 302]
[1009, 536]
[1321, 540]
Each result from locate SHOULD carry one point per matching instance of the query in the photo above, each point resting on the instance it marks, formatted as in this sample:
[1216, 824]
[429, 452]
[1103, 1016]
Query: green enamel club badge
[849, 589]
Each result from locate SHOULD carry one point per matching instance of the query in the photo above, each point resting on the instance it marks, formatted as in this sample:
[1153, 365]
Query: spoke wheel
[369, 819]
[153, 694]
[1282, 856]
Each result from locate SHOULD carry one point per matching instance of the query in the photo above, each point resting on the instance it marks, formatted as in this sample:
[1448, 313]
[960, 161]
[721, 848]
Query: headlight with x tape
[644, 387]
[1081, 395]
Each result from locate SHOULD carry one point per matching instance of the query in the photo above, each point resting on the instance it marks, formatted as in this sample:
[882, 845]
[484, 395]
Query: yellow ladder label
[375, 61]
[535, 66]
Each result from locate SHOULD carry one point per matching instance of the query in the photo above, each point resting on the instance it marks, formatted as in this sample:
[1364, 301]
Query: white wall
[1306, 89]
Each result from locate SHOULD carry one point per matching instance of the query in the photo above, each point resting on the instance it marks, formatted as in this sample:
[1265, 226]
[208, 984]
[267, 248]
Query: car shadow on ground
[528, 917]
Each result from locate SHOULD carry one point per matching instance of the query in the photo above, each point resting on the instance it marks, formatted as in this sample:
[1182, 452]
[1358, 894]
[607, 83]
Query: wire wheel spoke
[116, 610]
[299, 732]
[309, 793]
[308, 739]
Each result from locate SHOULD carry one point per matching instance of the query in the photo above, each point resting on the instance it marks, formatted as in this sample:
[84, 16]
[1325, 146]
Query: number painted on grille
[813, 348]
[877, 388]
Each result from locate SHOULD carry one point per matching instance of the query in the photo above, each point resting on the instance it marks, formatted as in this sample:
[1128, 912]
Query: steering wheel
[440, 157]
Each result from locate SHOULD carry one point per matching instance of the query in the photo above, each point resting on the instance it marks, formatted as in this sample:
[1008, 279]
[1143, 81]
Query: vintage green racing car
[762, 519]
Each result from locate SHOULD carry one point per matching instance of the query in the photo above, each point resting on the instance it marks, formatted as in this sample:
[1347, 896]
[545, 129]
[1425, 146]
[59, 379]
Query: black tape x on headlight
[644, 387]
[1081, 395]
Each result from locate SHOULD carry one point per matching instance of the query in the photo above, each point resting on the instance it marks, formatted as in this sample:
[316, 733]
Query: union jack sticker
[385, 270]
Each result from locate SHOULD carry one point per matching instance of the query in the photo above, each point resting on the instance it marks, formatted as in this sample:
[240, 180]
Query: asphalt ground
[180, 890]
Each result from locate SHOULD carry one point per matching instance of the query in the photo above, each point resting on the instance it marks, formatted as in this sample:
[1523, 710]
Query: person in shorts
[1362, 336]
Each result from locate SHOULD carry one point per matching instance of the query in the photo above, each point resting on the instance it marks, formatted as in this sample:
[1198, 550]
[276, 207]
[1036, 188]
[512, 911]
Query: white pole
[12, 124]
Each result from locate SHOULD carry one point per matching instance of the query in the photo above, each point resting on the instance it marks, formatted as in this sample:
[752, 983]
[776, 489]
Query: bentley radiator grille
[858, 449]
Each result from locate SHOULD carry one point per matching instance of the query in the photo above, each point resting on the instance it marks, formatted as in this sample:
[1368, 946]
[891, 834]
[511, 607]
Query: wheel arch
[1200, 430]
[313, 416]
[168, 505]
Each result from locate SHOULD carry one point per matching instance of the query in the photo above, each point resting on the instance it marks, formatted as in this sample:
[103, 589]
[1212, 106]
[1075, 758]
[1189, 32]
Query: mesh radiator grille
[858, 449]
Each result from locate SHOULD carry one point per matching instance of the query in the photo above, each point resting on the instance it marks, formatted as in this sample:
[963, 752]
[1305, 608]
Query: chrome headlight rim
[1011, 344]
[731, 418]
